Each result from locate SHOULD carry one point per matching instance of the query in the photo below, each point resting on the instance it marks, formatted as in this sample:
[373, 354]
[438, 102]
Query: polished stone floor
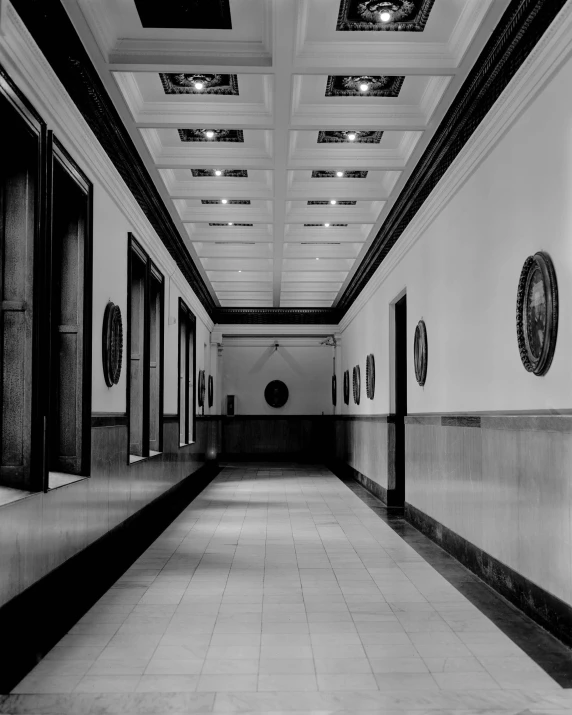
[280, 590]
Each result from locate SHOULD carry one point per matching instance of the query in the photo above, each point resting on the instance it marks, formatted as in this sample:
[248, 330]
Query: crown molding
[522, 35]
[550, 52]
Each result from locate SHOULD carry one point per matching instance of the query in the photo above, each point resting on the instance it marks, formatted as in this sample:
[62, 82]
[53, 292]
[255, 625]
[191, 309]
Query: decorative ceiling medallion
[333, 175]
[204, 135]
[396, 15]
[327, 203]
[357, 384]
[232, 226]
[347, 387]
[363, 86]
[185, 14]
[276, 394]
[230, 201]
[225, 173]
[537, 313]
[183, 83]
[420, 352]
[321, 225]
[359, 137]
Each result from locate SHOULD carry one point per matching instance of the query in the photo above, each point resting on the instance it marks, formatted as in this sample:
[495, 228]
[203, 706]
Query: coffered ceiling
[280, 133]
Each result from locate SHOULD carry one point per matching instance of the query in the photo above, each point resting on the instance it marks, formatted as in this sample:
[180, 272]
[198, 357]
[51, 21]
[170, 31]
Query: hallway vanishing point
[280, 589]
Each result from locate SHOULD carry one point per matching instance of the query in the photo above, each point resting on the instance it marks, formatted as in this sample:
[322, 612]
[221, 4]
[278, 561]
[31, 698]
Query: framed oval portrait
[537, 313]
[276, 393]
[370, 376]
[201, 388]
[347, 387]
[210, 391]
[334, 390]
[420, 352]
[112, 344]
[357, 384]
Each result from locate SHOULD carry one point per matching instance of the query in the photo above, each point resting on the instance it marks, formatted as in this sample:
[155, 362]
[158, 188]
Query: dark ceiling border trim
[514, 38]
[53, 31]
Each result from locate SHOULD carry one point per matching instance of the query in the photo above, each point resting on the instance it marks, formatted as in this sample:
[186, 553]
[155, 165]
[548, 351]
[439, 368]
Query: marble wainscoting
[495, 490]
[364, 449]
[59, 548]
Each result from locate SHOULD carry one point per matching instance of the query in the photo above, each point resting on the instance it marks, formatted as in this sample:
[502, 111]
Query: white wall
[305, 369]
[462, 274]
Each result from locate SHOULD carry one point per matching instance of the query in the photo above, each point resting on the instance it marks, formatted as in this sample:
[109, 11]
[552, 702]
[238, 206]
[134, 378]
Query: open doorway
[396, 485]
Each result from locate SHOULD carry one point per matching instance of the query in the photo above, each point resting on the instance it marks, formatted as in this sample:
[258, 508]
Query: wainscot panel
[495, 490]
[301, 437]
[365, 450]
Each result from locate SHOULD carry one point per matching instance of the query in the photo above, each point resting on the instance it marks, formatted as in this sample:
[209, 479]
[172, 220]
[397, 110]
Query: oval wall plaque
[112, 344]
[334, 390]
[370, 376]
[276, 393]
[537, 313]
[420, 352]
[201, 389]
[347, 387]
[357, 384]
[211, 391]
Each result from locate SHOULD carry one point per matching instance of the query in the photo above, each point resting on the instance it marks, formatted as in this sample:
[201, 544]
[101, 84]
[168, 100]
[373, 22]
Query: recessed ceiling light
[333, 202]
[326, 225]
[240, 271]
[317, 258]
[352, 136]
[209, 134]
[339, 174]
[224, 201]
[363, 87]
[385, 16]
[218, 172]
[230, 223]
[199, 85]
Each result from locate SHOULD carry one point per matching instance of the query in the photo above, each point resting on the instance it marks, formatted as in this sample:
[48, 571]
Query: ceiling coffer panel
[198, 83]
[384, 15]
[350, 136]
[319, 174]
[211, 135]
[363, 86]
[185, 14]
[225, 173]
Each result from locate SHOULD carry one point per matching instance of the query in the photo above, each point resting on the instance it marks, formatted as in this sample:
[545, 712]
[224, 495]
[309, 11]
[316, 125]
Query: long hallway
[280, 589]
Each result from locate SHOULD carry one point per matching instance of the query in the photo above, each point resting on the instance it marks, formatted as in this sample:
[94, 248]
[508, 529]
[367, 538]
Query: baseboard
[344, 471]
[35, 620]
[545, 609]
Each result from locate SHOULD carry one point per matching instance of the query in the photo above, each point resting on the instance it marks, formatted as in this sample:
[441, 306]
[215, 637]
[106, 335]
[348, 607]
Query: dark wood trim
[544, 608]
[109, 419]
[88, 575]
[511, 42]
[169, 417]
[541, 421]
[365, 418]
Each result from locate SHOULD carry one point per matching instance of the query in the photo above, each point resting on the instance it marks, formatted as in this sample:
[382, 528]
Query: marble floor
[279, 590]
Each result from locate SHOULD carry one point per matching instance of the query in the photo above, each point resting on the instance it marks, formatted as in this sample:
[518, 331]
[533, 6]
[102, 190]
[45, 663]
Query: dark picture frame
[420, 352]
[537, 313]
[347, 387]
[357, 384]
[370, 376]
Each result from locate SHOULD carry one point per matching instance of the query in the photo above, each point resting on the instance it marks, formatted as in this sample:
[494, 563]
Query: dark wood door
[398, 493]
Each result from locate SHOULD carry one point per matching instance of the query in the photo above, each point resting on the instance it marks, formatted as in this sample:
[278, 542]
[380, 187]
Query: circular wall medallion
[357, 384]
[276, 393]
[370, 376]
[201, 394]
[210, 391]
[334, 390]
[537, 313]
[347, 387]
[420, 352]
[112, 344]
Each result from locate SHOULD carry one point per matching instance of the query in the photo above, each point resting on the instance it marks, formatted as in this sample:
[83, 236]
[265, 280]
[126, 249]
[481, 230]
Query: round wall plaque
[370, 376]
[112, 344]
[201, 388]
[357, 384]
[347, 387]
[420, 352]
[537, 313]
[276, 393]
[334, 390]
[210, 391]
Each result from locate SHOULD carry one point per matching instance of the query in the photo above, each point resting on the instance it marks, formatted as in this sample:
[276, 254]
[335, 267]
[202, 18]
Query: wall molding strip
[526, 49]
